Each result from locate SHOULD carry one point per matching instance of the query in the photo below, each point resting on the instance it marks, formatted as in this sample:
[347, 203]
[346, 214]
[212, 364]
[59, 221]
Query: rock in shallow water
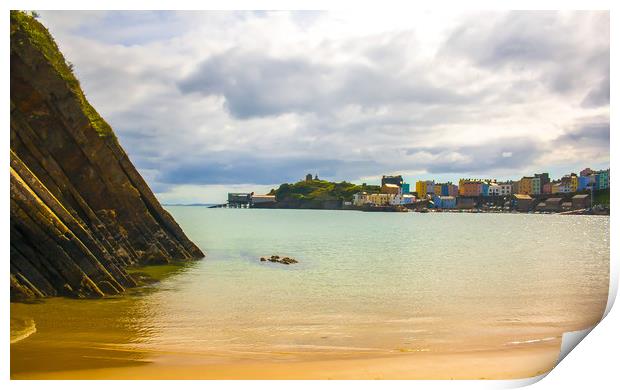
[278, 259]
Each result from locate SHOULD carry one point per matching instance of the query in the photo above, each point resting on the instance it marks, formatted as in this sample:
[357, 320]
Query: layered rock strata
[80, 211]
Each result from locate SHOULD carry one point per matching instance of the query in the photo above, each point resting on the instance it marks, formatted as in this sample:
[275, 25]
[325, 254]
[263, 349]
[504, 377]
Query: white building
[494, 189]
[402, 199]
[500, 189]
[360, 199]
[505, 189]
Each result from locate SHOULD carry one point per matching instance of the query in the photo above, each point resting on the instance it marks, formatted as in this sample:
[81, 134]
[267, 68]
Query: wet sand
[514, 363]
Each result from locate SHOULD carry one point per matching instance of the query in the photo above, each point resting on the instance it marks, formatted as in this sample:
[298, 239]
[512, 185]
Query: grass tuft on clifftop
[25, 27]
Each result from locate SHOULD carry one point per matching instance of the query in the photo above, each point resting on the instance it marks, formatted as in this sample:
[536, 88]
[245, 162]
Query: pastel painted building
[586, 182]
[389, 188]
[571, 181]
[444, 202]
[560, 187]
[405, 188]
[402, 199]
[469, 187]
[529, 185]
[420, 188]
[446, 189]
[602, 179]
[424, 187]
[381, 199]
[364, 198]
[574, 183]
[484, 189]
[525, 185]
[544, 179]
[536, 189]
[453, 189]
[599, 180]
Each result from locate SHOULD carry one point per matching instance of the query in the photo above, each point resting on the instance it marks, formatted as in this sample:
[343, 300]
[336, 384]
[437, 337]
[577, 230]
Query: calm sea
[370, 283]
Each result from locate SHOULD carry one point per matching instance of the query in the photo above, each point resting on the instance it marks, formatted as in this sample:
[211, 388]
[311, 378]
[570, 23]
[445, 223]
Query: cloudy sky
[210, 102]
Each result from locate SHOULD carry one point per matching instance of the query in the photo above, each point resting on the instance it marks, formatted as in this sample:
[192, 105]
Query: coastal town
[583, 193]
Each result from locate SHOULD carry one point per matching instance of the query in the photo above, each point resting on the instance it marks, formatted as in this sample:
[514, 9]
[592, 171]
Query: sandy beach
[514, 363]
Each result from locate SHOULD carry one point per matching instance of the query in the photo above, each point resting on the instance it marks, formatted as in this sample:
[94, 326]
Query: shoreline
[450, 211]
[512, 363]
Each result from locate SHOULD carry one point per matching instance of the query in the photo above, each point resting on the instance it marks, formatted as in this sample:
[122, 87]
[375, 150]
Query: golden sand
[514, 363]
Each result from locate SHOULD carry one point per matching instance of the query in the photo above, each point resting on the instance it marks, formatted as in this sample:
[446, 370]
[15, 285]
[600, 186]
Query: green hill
[320, 190]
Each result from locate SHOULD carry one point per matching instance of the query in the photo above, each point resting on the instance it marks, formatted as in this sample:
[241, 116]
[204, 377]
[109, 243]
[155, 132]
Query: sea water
[366, 283]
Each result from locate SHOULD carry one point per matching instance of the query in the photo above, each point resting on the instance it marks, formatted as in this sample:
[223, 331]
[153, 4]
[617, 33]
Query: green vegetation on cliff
[26, 28]
[320, 190]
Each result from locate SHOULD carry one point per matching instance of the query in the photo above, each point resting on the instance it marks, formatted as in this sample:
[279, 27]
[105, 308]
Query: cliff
[80, 211]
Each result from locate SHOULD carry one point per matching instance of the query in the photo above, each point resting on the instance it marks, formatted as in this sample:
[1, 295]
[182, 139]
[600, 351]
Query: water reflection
[72, 334]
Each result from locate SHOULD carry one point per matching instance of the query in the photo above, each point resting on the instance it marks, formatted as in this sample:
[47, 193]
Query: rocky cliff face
[80, 212]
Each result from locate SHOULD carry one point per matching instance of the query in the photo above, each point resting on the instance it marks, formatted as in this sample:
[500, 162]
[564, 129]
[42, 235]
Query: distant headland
[583, 193]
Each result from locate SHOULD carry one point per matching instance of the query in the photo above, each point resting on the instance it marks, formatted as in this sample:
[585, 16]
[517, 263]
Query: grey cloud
[222, 168]
[565, 53]
[598, 96]
[512, 40]
[593, 133]
[505, 155]
[261, 170]
[256, 85]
